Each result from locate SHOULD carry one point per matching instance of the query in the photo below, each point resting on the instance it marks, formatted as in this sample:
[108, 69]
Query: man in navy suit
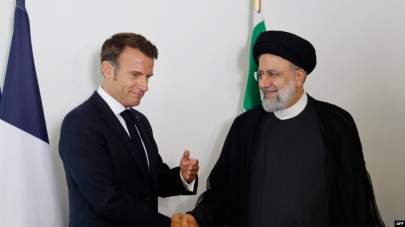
[113, 169]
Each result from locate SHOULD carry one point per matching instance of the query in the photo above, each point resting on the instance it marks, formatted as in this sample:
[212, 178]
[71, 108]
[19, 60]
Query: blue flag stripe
[21, 103]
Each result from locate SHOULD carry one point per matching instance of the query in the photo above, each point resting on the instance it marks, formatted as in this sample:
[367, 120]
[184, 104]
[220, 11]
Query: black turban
[288, 46]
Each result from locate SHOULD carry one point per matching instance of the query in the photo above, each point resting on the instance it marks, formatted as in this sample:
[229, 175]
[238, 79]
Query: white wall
[200, 74]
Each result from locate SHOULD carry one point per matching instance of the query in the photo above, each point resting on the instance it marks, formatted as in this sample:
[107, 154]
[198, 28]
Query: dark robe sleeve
[359, 205]
[212, 207]
[351, 197]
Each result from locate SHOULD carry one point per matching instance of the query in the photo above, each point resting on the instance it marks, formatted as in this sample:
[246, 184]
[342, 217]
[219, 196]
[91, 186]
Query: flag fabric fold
[28, 188]
[252, 93]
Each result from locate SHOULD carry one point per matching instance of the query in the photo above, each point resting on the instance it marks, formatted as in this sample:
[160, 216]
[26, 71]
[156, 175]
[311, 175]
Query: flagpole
[258, 5]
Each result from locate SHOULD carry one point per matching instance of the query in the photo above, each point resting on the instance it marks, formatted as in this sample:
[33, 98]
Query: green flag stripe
[252, 94]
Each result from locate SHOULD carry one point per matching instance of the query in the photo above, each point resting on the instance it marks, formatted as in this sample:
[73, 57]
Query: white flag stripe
[26, 171]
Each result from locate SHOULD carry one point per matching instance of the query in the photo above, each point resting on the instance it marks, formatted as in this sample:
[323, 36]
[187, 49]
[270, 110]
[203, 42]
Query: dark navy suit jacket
[108, 180]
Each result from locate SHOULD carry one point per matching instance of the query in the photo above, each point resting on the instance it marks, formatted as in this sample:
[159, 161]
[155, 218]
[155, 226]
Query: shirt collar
[114, 105]
[293, 110]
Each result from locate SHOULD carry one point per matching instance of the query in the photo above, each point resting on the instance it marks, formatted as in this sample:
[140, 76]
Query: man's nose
[265, 81]
[143, 84]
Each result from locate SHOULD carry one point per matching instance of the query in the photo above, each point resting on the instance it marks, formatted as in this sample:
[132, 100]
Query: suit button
[147, 198]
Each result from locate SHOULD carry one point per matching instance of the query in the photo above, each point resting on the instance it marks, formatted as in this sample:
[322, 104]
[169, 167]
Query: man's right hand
[183, 220]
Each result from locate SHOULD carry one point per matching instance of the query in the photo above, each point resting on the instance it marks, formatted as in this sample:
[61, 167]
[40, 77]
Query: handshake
[183, 220]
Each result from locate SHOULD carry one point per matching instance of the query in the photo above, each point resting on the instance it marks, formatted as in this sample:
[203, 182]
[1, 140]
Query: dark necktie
[135, 136]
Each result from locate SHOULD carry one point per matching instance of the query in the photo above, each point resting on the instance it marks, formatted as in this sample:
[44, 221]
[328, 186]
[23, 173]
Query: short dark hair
[113, 47]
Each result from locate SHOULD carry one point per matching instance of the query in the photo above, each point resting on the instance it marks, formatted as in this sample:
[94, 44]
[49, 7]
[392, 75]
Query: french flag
[29, 194]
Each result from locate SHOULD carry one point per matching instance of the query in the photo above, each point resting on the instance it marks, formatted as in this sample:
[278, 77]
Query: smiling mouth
[137, 95]
[271, 92]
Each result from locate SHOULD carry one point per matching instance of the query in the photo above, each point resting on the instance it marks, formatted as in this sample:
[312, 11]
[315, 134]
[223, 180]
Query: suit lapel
[115, 125]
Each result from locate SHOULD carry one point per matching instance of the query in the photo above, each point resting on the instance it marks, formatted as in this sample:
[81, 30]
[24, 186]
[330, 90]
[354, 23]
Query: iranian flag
[252, 93]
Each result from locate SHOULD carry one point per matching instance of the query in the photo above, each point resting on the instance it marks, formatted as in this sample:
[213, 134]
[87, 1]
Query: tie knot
[127, 115]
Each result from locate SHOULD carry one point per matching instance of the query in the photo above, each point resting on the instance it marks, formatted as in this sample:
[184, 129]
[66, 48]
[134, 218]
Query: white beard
[280, 102]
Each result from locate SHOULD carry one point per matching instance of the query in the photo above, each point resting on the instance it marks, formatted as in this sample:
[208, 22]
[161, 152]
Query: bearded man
[294, 161]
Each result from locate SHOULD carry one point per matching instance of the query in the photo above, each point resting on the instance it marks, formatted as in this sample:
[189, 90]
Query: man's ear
[107, 69]
[301, 76]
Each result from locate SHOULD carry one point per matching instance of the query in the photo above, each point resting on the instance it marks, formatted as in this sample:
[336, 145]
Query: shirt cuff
[188, 186]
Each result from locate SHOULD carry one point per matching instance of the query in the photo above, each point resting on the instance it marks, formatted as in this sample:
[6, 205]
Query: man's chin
[135, 102]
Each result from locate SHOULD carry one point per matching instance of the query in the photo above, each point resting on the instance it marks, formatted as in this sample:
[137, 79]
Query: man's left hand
[189, 167]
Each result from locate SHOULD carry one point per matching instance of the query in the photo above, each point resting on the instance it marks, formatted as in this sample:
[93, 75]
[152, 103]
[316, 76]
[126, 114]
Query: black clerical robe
[349, 191]
[288, 179]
